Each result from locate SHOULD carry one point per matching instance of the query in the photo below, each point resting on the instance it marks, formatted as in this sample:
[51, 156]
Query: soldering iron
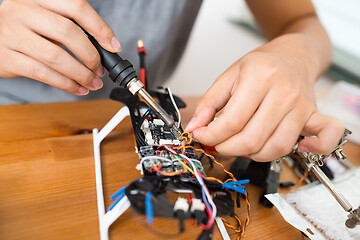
[121, 72]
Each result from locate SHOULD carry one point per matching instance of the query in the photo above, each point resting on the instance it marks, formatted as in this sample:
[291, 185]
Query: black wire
[138, 135]
[210, 160]
[137, 132]
[152, 230]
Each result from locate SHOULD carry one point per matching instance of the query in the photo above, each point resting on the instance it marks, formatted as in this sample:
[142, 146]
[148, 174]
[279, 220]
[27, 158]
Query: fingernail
[190, 125]
[83, 90]
[100, 71]
[97, 83]
[115, 44]
[303, 149]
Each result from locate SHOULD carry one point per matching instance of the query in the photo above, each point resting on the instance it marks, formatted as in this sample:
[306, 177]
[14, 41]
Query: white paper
[313, 205]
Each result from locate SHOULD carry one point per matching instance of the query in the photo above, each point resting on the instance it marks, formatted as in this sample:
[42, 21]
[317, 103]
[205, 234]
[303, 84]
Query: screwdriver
[121, 72]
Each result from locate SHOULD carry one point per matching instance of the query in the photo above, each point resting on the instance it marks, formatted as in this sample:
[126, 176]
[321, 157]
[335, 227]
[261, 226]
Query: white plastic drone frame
[106, 218]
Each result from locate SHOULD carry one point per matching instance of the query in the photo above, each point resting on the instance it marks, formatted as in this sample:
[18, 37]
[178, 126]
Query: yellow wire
[212, 178]
[186, 166]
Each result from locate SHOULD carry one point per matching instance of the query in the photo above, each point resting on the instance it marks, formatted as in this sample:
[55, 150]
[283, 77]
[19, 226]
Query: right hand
[31, 32]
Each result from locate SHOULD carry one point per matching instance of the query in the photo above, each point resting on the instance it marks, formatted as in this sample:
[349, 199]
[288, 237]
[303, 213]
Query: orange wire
[215, 161]
[238, 230]
[169, 173]
[247, 216]
[302, 178]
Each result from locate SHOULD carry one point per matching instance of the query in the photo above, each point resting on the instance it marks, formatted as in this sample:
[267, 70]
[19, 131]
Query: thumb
[324, 134]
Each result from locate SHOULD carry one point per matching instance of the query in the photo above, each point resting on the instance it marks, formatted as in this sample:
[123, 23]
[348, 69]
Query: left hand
[267, 99]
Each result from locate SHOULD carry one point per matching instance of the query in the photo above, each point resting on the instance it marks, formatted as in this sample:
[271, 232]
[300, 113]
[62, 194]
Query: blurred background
[225, 30]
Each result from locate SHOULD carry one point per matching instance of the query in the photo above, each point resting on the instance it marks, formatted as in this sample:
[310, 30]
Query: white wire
[175, 106]
[200, 180]
[222, 229]
[195, 160]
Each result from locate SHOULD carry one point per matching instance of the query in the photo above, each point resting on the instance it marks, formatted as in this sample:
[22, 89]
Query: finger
[55, 27]
[28, 67]
[213, 101]
[56, 58]
[283, 139]
[243, 103]
[325, 133]
[260, 127]
[82, 12]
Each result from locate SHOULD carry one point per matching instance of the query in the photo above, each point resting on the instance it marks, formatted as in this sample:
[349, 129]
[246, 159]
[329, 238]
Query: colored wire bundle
[187, 140]
[207, 198]
[175, 162]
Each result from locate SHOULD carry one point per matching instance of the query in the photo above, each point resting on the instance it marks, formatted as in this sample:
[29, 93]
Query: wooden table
[47, 176]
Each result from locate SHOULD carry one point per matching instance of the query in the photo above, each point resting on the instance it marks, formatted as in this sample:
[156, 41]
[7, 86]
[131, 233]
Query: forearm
[267, 96]
[315, 40]
[295, 31]
[305, 45]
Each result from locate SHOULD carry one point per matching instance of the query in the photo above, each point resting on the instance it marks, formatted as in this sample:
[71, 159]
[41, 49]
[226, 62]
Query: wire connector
[236, 186]
[198, 210]
[197, 205]
[181, 204]
[141, 47]
[180, 208]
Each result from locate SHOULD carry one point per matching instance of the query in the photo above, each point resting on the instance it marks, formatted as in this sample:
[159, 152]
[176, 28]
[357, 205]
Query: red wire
[142, 76]
[192, 221]
[210, 222]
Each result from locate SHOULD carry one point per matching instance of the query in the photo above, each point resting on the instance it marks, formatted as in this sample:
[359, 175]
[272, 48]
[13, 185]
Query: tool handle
[120, 70]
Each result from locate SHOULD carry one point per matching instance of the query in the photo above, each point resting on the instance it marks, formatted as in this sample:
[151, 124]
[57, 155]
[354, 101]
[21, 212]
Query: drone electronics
[170, 163]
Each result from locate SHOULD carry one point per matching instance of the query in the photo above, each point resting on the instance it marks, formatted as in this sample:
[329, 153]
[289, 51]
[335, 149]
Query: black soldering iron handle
[121, 71]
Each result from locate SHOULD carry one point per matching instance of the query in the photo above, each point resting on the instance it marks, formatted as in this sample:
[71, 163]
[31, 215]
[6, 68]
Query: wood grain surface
[47, 176]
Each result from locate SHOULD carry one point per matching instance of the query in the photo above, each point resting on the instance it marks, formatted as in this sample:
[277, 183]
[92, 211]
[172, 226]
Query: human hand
[267, 101]
[31, 32]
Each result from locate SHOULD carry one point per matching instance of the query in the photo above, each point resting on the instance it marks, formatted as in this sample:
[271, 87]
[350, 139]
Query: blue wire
[239, 189]
[203, 193]
[119, 192]
[116, 201]
[118, 195]
[245, 181]
[149, 208]
[205, 200]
